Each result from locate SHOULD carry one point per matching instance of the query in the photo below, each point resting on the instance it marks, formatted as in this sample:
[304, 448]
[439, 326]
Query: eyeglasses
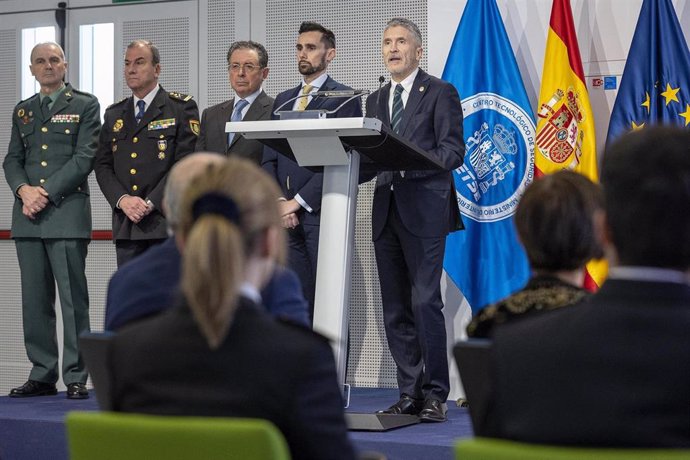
[248, 68]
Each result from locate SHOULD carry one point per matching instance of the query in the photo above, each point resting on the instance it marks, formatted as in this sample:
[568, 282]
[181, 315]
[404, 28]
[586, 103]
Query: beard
[306, 68]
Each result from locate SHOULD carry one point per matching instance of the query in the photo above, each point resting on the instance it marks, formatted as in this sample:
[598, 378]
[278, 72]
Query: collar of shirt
[315, 85]
[407, 88]
[637, 273]
[250, 100]
[148, 99]
[52, 96]
[251, 292]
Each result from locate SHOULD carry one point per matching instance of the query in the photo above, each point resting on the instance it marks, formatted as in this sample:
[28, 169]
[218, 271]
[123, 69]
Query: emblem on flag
[561, 136]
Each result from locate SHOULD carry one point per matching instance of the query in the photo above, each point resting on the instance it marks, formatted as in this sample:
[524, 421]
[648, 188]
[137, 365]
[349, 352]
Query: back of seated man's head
[179, 178]
[646, 181]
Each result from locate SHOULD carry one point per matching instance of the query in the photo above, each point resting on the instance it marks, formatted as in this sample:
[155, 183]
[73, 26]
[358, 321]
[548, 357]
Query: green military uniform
[135, 158]
[56, 151]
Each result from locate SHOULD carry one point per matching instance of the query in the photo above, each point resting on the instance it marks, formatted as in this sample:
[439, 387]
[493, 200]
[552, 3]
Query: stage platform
[33, 428]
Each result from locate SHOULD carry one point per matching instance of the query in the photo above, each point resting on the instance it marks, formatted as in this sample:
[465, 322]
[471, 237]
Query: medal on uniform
[162, 145]
[20, 113]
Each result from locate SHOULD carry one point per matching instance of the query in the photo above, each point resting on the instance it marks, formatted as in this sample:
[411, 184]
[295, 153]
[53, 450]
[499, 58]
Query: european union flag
[485, 260]
[655, 88]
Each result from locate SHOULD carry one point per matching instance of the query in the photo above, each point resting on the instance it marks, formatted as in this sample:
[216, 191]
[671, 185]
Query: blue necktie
[398, 109]
[141, 105]
[237, 116]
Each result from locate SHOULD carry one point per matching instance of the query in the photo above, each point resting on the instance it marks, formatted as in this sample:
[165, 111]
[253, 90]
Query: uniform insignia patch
[65, 118]
[194, 125]
[117, 126]
[161, 124]
[180, 97]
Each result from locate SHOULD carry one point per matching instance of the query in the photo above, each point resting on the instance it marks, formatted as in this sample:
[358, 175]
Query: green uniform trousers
[45, 262]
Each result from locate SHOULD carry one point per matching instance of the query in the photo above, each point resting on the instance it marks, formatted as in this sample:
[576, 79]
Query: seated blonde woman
[219, 353]
[555, 222]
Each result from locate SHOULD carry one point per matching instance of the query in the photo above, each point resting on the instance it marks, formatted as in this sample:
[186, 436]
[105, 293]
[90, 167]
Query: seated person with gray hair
[149, 283]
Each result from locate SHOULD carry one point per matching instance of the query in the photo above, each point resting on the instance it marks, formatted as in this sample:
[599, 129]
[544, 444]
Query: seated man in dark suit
[614, 370]
[218, 353]
[149, 283]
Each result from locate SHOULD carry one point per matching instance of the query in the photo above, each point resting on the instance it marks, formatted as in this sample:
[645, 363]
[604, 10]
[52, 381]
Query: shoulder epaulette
[180, 96]
[117, 103]
[27, 99]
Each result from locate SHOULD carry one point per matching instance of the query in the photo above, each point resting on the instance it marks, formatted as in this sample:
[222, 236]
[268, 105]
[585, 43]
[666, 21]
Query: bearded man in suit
[301, 188]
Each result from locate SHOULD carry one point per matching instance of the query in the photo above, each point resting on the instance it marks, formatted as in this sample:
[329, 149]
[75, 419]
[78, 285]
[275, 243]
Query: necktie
[304, 101]
[141, 105]
[398, 109]
[45, 107]
[237, 116]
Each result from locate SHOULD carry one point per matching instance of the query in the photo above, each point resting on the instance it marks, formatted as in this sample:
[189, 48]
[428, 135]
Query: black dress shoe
[77, 390]
[433, 411]
[405, 406]
[33, 388]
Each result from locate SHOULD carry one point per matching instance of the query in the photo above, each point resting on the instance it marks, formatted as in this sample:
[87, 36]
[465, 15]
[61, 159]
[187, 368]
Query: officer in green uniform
[51, 153]
[142, 137]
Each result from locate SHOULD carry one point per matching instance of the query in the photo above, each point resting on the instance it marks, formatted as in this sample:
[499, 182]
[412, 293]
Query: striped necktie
[398, 109]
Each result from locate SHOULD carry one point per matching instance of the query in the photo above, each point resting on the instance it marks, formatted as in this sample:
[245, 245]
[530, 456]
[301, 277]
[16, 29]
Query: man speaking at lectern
[412, 213]
[301, 188]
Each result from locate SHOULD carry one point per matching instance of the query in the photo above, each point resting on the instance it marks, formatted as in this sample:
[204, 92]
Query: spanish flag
[565, 125]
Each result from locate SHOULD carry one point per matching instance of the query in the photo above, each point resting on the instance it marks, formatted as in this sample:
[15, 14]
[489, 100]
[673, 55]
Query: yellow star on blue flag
[657, 73]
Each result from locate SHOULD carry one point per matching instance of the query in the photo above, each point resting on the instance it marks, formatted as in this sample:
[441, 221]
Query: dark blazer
[433, 122]
[612, 371]
[213, 137]
[264, 368]
[149, 284]
[56, 153]
[290, 176]
[135, 158]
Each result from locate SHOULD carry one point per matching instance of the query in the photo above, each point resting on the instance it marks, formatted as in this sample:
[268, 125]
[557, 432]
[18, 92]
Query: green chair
[118, 436]
[500, 449]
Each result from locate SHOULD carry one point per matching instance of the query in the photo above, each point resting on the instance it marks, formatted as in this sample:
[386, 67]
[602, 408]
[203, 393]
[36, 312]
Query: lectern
[339, 146]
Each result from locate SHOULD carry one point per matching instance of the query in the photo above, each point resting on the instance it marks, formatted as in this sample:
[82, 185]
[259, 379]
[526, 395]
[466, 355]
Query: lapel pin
[421, 88]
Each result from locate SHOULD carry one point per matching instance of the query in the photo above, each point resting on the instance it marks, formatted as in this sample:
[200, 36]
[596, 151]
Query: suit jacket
[57, 153]
[135, 158]
[213, 137]
[612, 371]
[294, 179]
[432, 120]
[149, 284]
[264, 369]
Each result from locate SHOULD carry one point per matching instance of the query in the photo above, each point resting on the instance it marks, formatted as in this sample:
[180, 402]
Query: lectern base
[378, 422]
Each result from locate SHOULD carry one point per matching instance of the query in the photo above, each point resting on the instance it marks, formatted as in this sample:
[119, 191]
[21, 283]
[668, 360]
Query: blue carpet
[33, 428]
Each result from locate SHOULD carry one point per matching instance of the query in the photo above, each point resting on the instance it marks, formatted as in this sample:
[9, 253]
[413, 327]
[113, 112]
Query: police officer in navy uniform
[51, 153]
[142, 137]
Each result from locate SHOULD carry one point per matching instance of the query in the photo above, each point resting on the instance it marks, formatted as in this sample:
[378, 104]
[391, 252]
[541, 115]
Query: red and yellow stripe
[563, 76]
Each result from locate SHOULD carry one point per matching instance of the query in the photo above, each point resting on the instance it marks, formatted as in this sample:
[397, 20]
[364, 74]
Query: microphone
[340, 93]
[378, 94]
